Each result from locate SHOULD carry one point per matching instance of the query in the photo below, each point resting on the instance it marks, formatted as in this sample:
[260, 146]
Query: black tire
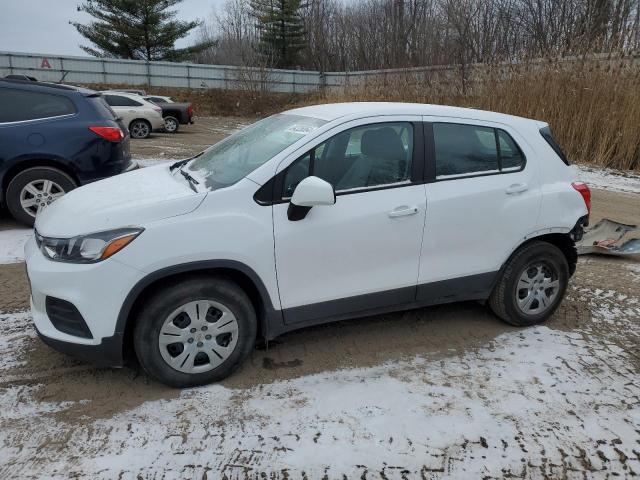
[503, 300]
[35, 174]
[173, 126]
[140, 129]
[158, 307]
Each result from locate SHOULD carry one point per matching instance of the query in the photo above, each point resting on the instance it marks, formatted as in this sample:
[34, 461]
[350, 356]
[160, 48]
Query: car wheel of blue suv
[34, 189]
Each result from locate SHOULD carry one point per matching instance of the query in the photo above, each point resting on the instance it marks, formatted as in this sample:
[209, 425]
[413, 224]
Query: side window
[21, 105]
[511, 157]
[118, 101]
[361, 157]
[463, 150]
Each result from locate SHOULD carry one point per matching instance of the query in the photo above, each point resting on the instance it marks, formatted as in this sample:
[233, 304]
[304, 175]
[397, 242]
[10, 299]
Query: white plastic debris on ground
[12, 244]
[533, 403]
[609, 179]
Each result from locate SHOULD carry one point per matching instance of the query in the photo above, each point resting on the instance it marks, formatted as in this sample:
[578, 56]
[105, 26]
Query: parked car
[360, 208]
[140, 116]
[52, 139]
[18, 76]
[134, 91]
[174, 113]
[159, 99]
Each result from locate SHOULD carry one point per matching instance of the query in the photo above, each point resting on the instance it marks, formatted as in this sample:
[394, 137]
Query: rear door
[483, 198]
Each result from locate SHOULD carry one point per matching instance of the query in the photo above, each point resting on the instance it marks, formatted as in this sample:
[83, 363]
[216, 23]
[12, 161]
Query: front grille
[66, 317]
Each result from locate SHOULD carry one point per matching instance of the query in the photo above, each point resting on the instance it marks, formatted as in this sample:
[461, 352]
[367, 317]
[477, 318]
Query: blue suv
[54, 138]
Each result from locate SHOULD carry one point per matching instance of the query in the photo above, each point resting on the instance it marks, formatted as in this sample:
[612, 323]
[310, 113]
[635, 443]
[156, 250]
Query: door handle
[403, 211]
[517, 188]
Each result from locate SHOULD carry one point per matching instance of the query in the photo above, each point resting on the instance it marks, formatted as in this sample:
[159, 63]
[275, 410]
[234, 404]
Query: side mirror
[310, 192]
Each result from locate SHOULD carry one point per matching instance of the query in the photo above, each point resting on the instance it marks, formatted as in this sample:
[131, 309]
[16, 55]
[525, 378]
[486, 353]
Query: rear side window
[466, 150]
[548, 136]
[21, 105]
[119, 101]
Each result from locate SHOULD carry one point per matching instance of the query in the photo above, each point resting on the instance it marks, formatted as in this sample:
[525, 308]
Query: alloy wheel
[198, 336]
[170, 125]
[140, 130]
[39, 194]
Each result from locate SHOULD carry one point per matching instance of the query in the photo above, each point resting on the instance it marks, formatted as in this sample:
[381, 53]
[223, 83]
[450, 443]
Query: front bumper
[96, 290]
[108, 353]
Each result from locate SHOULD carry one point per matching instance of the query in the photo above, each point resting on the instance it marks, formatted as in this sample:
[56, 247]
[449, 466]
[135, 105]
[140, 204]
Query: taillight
[113, 134]
[190, 111]
[583, 190]
[157, 109]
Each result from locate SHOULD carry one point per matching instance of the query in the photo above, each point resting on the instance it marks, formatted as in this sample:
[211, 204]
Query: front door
[363, 252]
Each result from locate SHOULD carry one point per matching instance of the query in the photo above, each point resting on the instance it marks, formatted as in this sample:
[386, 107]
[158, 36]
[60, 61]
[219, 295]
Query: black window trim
[271, 192]
[431, 157]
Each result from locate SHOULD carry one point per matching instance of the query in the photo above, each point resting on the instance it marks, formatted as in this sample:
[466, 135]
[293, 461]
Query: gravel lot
[446, 391]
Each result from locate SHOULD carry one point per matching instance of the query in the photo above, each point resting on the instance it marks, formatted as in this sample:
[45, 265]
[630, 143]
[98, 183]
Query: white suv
[139, 115]
[314, 215]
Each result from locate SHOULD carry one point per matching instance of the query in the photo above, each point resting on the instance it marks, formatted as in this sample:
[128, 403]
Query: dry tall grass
[592, 107]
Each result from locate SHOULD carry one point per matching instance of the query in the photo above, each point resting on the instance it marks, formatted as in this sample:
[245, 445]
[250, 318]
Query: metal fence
[88, 70]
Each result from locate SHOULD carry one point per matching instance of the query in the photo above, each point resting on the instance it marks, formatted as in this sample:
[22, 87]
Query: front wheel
[532, 285]
[140, 129]
[195, 332]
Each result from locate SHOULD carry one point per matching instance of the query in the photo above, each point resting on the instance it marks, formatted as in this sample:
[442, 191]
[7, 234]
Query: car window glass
[464, 149]
[362, 157]
[510, 155]
[20, 105]
[120, 101]
[241, 153]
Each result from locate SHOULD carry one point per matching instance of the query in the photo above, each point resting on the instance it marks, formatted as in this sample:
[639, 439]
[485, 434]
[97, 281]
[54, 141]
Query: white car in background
[158, 99]
[140, 116]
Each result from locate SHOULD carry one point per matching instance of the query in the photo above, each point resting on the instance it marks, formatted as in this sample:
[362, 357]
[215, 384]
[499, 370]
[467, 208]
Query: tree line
[347, 35]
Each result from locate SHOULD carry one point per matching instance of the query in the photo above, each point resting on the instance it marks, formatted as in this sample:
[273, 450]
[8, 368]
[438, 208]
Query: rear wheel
[34, 189]
[532, 285]
[171, 124]
[140, 129]
[195, 332]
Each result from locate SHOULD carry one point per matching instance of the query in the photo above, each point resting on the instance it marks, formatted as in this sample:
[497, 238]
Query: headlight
[90, 248]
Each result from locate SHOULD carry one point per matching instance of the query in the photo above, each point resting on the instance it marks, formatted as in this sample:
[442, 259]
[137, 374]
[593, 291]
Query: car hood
[129, 199]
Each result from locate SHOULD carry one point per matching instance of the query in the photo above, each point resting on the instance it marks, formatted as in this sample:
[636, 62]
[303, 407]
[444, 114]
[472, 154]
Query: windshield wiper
[192, 181]
[182, 163]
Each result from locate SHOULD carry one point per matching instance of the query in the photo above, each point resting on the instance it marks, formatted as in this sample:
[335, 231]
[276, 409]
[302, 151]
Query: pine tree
[136, 29]
[282, 35]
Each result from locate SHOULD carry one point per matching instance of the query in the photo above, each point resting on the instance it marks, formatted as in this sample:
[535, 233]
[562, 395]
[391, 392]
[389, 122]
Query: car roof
[334, 111]
[40, 85]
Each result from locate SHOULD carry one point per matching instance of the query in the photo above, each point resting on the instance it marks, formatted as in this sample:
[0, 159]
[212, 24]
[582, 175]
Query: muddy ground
[33, 374]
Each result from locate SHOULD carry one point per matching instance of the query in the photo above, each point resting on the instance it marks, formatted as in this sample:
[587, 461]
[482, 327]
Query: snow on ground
[12, 244]
[534, 403]
[609, 179]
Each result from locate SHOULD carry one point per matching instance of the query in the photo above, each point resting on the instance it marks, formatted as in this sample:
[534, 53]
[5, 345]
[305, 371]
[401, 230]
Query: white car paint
[378, 240]
[145, 110]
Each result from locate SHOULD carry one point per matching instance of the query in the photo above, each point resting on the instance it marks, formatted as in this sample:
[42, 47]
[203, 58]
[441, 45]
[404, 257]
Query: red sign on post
[45, 63]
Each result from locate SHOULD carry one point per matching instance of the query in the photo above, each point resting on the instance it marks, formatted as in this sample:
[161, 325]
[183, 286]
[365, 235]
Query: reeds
[593, 106]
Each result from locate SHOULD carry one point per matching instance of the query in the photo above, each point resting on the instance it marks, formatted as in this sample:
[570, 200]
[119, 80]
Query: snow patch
[12, 244]
[609, 179]
[550, 399]
[12, 338]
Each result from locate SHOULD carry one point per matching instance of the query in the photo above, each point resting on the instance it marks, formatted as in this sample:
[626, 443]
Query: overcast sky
[42, 26]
